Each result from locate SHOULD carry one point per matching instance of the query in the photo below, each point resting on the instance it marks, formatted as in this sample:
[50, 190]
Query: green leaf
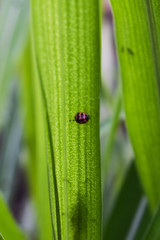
[66, 43]
[8, 228]
[35, 139]
[123, 212]
[43, 203]
[137, 26]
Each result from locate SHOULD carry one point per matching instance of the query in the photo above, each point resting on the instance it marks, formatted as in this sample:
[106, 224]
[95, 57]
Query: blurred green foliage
[23, 169]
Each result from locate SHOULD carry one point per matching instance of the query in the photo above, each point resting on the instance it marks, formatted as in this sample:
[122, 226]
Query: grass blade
[66, 41]
[153, 231]
[35, 139]
[125, 207]
[137, 31]
[143, 224]
[1, 237]
[8, 228]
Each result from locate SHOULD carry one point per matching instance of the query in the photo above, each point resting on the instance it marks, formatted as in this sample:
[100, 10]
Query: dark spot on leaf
[130, 51]
[122, 49]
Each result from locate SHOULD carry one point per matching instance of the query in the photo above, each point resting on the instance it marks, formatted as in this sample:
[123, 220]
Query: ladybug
[81, 118]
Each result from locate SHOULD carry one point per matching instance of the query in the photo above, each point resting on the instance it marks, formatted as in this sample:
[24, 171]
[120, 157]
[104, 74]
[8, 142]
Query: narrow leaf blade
[137, 31]
[8, 227]
[121, 217]
[153, 231]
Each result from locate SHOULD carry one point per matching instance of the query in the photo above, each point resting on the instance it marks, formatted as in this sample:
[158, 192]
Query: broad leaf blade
[66, 41]
[137, 30]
